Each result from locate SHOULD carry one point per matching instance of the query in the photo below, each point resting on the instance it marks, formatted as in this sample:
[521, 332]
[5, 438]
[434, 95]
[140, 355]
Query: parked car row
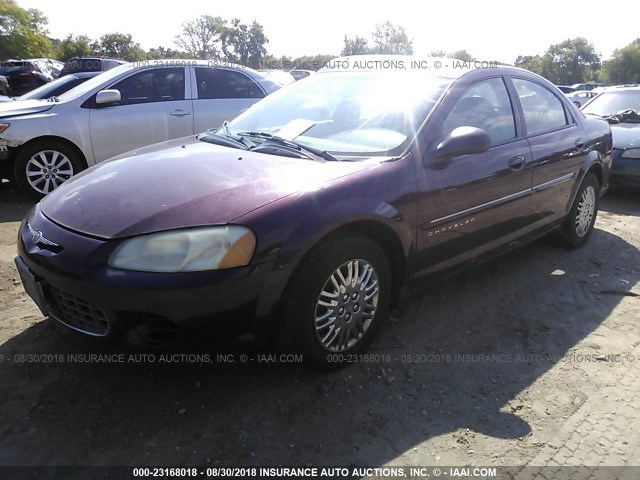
[53, 89]
[17, 77]
[25, 75]
[301, 219]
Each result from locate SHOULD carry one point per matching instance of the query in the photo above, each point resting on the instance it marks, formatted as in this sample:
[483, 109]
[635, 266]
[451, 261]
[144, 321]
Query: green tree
[201, 38]
[391, 39]
[244, 44]
[624, 66]
[387, 38]
[281, 63]
[571, 61]
[355, 46]
[162, 52]
[75, 46]
[462, 55]
[22, 32]
[311, 62]
[121, 45]
[532, 63]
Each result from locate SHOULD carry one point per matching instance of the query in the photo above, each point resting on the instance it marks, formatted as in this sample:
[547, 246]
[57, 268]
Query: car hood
[626, 135]
[182, 183]
[24, 107]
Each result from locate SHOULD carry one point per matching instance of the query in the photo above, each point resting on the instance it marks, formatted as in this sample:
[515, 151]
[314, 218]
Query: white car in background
[279, 76]
[580, 97]
[45, 142]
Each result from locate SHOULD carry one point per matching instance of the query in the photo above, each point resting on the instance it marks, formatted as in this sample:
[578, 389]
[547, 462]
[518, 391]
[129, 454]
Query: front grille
[78, 314]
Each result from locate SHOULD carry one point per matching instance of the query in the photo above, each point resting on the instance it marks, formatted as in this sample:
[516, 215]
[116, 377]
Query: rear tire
[336, 303]
[42, 166]
[578, 226]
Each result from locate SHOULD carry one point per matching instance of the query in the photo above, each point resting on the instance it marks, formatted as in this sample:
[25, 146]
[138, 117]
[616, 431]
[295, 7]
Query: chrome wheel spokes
[346, 305]
[47, 170]
[585, 212]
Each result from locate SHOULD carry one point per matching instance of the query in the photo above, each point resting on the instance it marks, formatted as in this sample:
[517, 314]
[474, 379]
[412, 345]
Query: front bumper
[73, 284]
[625, 171]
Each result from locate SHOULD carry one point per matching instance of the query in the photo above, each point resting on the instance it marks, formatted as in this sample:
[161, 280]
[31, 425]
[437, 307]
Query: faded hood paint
[182, 183]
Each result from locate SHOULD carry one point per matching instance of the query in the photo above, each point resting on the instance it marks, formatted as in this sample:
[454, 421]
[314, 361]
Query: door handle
[517, 162]
[580, 142]
[179, 113]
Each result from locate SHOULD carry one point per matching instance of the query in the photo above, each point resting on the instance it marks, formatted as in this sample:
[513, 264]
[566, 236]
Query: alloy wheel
[47, 170]
[346, 305]
[585, 211]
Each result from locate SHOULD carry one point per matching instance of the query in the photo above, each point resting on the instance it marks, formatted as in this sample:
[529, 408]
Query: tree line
[23, 34]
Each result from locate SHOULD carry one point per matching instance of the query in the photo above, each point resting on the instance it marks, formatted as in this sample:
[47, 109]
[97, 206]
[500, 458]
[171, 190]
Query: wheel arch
[54, 138]
[375, 227]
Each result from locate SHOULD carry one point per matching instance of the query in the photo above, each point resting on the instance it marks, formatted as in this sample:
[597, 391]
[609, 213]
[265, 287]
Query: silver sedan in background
[45, 142]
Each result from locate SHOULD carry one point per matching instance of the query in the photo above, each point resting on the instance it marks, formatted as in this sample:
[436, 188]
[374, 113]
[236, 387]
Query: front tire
[578, 226]
[337, 302]
[43, 166]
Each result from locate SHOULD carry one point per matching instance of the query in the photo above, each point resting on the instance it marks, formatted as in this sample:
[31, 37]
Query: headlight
[189, 250]
[631, 153]
[4, 126]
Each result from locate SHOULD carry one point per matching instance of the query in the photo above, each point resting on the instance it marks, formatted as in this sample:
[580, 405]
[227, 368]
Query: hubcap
[585, 212]
[346, 305]
[47, 170]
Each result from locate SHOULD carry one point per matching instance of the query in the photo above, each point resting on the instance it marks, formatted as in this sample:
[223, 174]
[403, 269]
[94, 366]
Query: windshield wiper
[222, 136]
[282, 142]
[53, 99]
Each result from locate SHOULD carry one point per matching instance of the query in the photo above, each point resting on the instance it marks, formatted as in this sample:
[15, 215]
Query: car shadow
[13, 205]
[455, 355]
[622, 200]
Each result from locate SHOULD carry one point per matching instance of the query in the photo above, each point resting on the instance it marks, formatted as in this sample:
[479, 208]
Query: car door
[221, 94]
[154, 107]
[476, 201]
[557, 146]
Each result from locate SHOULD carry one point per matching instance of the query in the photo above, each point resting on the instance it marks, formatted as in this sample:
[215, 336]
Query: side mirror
[461, 141]
[105, 97]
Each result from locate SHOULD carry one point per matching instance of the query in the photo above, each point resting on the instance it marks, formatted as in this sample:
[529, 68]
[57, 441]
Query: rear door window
[214, 83]
[543, 111]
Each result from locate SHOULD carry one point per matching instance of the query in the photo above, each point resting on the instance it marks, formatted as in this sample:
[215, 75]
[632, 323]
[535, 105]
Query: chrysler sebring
[301, 220]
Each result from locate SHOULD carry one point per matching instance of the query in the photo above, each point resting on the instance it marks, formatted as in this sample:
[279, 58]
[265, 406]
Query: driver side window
[484, 105]
[156, 85]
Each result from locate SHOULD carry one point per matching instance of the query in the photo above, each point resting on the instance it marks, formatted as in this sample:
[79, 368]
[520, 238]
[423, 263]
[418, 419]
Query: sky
[488, 29]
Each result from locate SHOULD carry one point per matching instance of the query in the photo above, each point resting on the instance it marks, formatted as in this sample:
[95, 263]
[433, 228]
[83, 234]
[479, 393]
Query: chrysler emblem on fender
[38, 237]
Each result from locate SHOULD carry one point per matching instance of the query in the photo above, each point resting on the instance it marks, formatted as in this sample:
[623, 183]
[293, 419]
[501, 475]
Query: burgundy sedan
[302, 219]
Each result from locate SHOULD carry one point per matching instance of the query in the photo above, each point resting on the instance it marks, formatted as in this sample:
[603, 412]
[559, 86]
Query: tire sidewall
[570, 229]
[29, 151]
[301, 304]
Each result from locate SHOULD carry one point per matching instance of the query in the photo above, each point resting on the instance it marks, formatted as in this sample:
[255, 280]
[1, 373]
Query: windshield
[97, 81]
[611, 102]
[49, 89]
[348, 113]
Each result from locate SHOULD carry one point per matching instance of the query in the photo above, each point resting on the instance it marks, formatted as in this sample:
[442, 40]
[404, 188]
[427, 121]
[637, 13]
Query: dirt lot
[487, 368]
